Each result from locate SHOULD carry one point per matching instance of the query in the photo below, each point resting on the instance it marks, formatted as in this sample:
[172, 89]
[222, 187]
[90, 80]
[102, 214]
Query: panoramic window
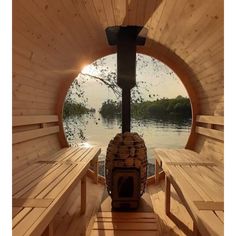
[160, 107]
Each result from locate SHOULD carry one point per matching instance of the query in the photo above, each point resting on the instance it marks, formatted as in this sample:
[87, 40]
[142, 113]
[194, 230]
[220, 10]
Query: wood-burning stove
[126, 159]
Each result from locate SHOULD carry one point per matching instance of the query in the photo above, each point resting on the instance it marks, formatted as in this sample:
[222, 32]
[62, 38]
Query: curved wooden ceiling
[53, 40]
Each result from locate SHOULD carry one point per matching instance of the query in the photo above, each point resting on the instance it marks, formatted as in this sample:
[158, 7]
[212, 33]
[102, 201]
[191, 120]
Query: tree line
[72, 108]
[161, 108]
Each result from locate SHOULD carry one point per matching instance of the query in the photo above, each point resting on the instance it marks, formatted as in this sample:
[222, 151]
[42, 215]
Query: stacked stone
[126, 150]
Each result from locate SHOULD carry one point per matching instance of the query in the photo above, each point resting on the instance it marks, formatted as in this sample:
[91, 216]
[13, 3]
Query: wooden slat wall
[26, 152]
[53, 40]
[32, 138]
[210, 142]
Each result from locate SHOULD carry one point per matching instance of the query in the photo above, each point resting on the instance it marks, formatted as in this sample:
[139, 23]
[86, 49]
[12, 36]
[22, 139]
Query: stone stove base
[126, 170]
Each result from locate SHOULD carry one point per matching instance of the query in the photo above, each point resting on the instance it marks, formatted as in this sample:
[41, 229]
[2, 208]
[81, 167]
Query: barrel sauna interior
[54, 40]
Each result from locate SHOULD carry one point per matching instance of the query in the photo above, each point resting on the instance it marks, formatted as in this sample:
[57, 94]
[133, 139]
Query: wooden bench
[41, 188]
[198, 181]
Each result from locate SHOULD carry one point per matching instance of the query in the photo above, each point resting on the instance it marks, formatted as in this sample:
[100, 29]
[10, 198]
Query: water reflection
[157, 133]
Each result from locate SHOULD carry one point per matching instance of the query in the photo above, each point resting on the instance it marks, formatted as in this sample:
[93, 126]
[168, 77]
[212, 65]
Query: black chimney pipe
[126, 38]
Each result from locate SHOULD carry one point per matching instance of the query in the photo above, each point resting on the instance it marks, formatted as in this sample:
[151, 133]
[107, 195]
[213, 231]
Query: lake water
[99, 131]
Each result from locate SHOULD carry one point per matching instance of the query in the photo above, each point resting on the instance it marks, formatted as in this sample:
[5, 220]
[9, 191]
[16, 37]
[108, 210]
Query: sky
[159, 79]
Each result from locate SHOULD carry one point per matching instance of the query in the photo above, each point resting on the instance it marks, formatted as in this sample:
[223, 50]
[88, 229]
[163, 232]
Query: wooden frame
[47, 124]
[189, 171]
[40, 189]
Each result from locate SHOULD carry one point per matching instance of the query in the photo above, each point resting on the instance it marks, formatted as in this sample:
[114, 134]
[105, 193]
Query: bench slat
[32, 134]
[76, 156]
[60, 155]
[27, 221]
[220, 214]
[208, 220]
[30, 120]
[203, 183]
[31, 202]
[20, 216]
[191, 164]
[209, 205]
[41, 191]
[76, 172]
[43, 182]
[182, 181]
[27, 183]
[217, 134]
[59, 194]
[217, 120]
[195, 184]
[16, 210]
[195, 177]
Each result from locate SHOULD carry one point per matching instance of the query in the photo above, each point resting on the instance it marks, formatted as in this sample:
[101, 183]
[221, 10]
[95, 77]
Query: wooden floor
[68, 221]
[179, 222]
[149, 219]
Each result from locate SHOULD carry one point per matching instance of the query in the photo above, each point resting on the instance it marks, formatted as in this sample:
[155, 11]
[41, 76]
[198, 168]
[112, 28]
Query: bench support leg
[96, 169]
[49, 230]
[159, 175]
[157, 172]
[83, 195]
[195, 230]
[167, 193]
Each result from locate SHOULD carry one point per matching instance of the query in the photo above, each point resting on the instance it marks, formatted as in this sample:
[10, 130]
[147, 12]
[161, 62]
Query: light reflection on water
[99, 131]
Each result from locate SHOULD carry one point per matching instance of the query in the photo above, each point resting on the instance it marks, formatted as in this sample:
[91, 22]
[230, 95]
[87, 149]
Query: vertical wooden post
[167, 195]
[95, 166]
[195, 230]
[49, 230]
[157, 176]
[83, 195]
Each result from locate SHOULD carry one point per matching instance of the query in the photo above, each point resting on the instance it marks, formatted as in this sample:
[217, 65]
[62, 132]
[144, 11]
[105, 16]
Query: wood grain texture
[40, 191]
[53, 40]
[32, 134]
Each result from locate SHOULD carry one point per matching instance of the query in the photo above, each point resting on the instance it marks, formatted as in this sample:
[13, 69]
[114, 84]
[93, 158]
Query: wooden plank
[190, 164]
[25, 184]
[19, 176]
[210, 133]
[204, 185]
[29, 120]
[77, 172]
[93, 152]
[218, 120]
[125, 226]
[31, 202]
[49, 230]
[27, 221]
[133, 220]
[195, 184]
[209, 205]
[32, 134]
[16, 210]
[126, 215]
[83, 195]
[20, 216]
[60, 193]
[60, 156]
[119, 9]
[54, 183]
[220, 214]
[217, 177]
[77, 156]
[207, 220]
[186, 186]
[167, 195]
[45, 181]
[123, 233]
